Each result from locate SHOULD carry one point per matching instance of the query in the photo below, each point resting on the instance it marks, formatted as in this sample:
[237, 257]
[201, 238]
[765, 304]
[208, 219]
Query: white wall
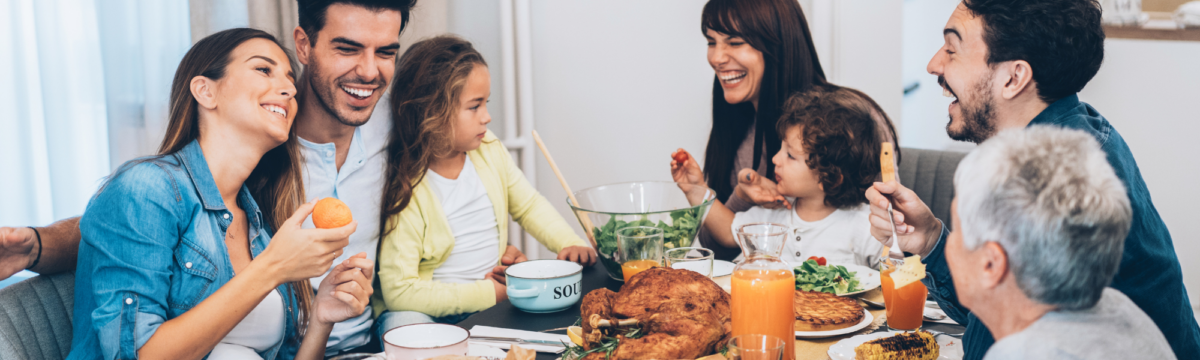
[925, 109]
[859, 43]
[1149, 91]
[618, 85]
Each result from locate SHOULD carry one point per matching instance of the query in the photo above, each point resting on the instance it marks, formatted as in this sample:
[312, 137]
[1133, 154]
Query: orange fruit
[331, 213]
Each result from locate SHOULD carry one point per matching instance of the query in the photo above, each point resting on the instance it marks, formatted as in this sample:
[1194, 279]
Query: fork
[936, 333]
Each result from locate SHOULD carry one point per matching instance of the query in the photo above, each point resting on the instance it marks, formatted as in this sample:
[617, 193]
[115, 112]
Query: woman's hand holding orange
[300, 254]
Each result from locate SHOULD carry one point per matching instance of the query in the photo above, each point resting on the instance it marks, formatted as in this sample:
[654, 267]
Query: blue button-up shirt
[1149, 273]
[153, 247]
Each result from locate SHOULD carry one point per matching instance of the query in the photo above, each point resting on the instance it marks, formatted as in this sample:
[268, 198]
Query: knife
[519, 341]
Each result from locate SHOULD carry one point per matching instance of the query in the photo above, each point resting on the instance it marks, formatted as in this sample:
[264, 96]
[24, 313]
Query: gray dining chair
[35, 318]
[930, 174]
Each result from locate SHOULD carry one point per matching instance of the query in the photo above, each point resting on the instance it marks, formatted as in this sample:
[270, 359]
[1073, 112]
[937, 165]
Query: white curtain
[56, 141]
[85, 86]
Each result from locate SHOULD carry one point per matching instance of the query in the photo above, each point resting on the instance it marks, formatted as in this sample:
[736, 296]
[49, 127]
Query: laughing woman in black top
[762, 52]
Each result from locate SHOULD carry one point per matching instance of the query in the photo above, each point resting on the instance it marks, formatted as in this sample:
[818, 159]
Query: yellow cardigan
[422, 240]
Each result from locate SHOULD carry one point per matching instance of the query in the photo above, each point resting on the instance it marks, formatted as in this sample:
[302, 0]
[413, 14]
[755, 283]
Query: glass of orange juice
[885, 276]
[905, 305]
[640, 248]
[756, 347]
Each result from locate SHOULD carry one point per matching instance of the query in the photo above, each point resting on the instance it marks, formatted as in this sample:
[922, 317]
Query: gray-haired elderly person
[1040, 221]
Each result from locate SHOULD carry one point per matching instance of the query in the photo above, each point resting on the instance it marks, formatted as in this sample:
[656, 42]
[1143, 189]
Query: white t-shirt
[260, 330]
[843, 237]
[473, 221]
[359, 184]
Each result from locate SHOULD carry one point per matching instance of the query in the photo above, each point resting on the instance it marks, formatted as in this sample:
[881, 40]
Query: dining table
[505, 315]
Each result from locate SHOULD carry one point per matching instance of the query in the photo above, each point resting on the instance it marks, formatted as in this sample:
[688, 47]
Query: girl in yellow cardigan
[450, 187]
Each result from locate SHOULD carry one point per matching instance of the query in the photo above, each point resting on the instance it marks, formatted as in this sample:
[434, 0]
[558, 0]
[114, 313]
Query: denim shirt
[1149, 273]
[153, 247]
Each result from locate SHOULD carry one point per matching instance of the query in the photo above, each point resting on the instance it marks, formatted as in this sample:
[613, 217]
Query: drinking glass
[905, 305]
[641, 248]
[691, 258]
[756, 347]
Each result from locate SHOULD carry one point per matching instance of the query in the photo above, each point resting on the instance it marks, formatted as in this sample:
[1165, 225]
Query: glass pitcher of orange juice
[764, 287]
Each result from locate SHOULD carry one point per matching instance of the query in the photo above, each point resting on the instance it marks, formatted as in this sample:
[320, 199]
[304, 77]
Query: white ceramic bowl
[422, 341]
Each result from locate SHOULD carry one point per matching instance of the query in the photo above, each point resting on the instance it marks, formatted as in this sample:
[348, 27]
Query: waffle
[819, 311]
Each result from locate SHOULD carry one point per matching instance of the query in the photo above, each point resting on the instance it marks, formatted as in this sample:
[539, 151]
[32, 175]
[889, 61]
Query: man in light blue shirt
[349, 49]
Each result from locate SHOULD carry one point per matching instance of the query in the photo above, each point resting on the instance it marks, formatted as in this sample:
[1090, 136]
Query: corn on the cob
[906, 346]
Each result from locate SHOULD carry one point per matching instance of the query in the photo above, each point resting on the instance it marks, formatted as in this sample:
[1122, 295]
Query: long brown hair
[276, 183]
[778, 29]
[429, 80]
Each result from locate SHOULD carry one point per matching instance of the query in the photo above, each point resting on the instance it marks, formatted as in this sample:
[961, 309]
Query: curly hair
[841, 137]
[429, 80]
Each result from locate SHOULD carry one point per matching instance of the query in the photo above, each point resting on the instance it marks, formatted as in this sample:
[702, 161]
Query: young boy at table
[829, 157]
[450, 187]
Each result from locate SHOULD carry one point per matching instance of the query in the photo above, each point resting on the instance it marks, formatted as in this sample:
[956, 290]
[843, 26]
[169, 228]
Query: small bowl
[544, 286]
[422, 341]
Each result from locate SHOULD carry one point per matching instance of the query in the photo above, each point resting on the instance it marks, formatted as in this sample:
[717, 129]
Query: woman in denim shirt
[176, 251]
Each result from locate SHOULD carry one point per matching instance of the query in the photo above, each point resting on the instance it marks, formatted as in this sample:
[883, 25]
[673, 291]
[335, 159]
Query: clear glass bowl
[679, 209]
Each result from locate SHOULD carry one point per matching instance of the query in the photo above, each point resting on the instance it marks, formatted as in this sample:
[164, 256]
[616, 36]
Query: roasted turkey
[681, 314]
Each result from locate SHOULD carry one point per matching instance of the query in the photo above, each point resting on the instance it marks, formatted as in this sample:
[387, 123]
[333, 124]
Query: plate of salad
[841, 280]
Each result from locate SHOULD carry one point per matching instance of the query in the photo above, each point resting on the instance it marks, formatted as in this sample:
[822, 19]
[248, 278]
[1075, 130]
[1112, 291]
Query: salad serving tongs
[887, 168]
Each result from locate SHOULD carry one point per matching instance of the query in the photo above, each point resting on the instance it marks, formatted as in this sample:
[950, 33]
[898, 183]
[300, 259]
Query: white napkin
[479, 330]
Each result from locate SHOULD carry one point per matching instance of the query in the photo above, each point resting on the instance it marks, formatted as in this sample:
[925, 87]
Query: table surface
[505, 315]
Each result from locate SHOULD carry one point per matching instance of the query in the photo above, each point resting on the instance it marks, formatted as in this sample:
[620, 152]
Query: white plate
[722, 268]
[867, 319]
[473, 349]
[867, 278]
[951, 348]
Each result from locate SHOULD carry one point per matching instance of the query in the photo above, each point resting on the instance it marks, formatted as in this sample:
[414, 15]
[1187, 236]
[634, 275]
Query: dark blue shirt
[1149, 273]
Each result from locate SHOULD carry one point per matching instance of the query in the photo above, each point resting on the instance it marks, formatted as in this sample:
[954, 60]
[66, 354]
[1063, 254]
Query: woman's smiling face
[258, 90]
[738, 65]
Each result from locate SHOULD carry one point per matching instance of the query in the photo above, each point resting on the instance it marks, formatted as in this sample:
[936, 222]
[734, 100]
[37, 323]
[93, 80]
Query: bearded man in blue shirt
[1014, 64]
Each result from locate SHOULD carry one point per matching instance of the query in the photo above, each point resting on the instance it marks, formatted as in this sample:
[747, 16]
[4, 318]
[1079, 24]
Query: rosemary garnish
[607, 345]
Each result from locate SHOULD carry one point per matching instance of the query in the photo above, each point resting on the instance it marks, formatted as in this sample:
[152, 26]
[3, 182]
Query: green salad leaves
[833, 279]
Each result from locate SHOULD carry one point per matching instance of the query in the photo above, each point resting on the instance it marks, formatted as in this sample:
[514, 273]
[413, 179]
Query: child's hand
[584, 255]
[759, 190]
[685, 169]
[512, 255]
[501, 291]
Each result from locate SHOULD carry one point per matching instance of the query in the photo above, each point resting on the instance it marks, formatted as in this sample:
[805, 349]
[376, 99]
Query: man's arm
[58, 251]
[941, 283]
